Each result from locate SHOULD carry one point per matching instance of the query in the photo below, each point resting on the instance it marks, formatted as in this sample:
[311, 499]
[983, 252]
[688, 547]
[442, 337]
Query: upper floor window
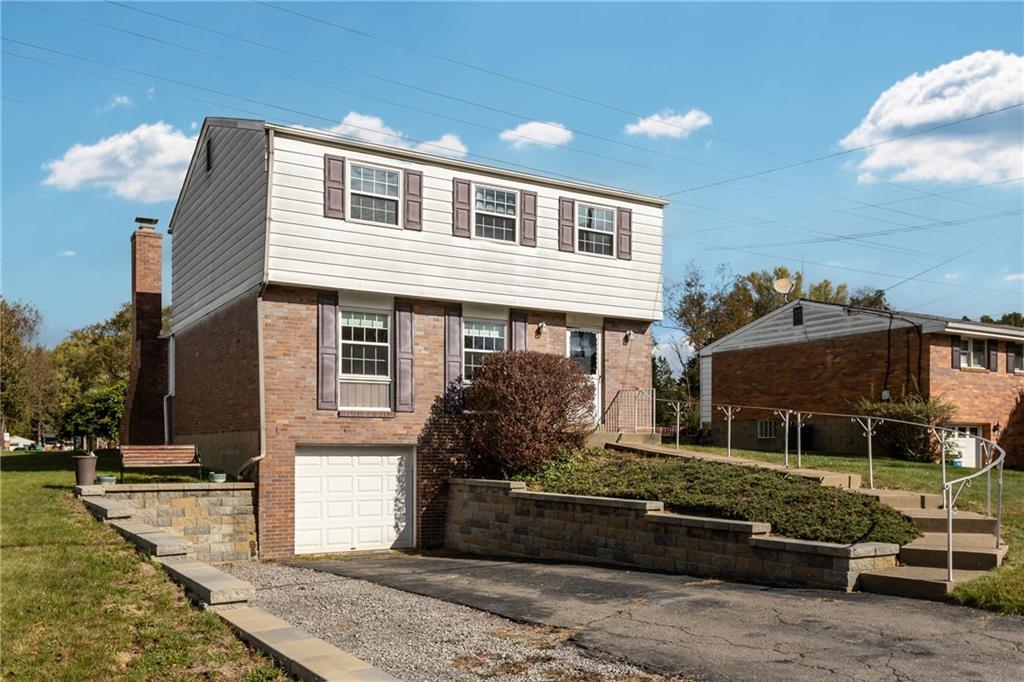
[364, 345]
[1018, 357]
[972, 353]
[495, 213]
[595, 229]
[478, 339]
[374, 194]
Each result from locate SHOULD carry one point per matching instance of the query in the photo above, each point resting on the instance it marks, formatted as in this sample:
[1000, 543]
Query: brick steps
[915, 582]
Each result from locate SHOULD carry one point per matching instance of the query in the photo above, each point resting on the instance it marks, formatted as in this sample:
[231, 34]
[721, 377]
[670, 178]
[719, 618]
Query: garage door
[353, 498]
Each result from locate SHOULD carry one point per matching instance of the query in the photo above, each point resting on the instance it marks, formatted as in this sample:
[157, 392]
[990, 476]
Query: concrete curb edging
[300, 653]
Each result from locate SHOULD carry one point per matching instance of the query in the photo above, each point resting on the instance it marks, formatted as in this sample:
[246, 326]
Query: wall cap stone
[750, 527]
[175, 487]
[615, 502]
[855, 551]
[488, 483]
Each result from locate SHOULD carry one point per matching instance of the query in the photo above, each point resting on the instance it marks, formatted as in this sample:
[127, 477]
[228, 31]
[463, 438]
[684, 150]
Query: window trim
[517, 226]
[763, 423]
[1018, 358]
[966, 356]
[363, 378]
[399, 200]
[614, 233]
[504, 338]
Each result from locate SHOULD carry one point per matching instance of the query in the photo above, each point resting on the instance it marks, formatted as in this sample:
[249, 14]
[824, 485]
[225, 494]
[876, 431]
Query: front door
[967, 445]
[585, 349]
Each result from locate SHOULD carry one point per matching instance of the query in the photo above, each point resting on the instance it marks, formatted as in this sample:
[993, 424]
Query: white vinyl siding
[706, 409]
[307, 249]
[219, 225]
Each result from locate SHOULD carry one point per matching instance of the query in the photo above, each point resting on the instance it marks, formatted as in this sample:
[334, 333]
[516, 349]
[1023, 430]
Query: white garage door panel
[353, 498]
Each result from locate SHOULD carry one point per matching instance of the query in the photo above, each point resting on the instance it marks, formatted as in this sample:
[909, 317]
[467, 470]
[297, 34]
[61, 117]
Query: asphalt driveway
[711, 630]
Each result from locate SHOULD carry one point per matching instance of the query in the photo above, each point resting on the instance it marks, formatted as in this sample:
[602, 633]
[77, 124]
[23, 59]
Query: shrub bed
[795, 507]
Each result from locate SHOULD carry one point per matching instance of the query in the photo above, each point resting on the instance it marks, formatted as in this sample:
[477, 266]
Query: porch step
[934, 521]
[903, 499]
[206, 583]
[971, 551]
[833, 479]
[915, 582]
[151, 540]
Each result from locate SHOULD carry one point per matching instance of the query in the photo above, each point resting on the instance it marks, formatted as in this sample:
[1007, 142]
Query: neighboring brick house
[326, 290]
[824, 357]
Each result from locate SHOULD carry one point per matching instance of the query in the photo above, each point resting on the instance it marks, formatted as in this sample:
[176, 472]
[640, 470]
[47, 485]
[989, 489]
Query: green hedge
[795, 507]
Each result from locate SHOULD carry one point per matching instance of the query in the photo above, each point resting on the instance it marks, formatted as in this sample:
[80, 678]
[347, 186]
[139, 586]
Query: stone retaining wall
[503, 519]
[217, 518]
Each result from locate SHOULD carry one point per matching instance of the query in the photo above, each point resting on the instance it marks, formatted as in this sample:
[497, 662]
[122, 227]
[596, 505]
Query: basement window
[765, 429]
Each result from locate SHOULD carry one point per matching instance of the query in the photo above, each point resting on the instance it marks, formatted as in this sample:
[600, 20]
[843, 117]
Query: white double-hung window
[374, 194]
[479, 339]
[595, 229]
[365, 345]
[972, 353]
[495, 213]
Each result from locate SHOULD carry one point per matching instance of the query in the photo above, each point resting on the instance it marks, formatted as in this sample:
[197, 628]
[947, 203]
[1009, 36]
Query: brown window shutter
[528, 235]
[517, 323]
[452, 343]
[334, 186]
[461, 208]
[624, 228]
[1011, 355]
[413, 200]
[403, 357]
[327, 351]
[954, 344]
[993, 354]
[566, 224]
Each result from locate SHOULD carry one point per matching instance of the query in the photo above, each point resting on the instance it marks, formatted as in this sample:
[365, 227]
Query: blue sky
[713, 91]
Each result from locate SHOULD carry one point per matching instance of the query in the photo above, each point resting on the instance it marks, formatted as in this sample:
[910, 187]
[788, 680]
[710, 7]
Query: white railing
[631, 410]
[993, 458]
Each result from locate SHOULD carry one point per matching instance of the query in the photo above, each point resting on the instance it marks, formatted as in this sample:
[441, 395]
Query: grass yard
[80, 604]
[795, 507]
[1003, 589]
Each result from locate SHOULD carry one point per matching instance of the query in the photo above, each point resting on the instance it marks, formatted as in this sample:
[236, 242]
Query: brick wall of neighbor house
[216, 405]
[142, 422]
[829, 375]
[993, 400]
[217, 518]
[627, 364]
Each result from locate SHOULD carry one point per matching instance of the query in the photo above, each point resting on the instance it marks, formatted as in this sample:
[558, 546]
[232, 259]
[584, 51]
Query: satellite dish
[783, 285]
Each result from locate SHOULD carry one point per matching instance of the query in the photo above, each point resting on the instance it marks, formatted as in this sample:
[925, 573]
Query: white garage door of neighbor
[353, 498]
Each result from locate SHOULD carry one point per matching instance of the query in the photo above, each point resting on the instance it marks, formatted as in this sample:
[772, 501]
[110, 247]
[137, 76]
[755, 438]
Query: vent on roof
[209, 154]
[798, 315]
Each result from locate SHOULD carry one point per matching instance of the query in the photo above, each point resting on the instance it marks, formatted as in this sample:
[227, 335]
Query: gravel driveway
[419, 638]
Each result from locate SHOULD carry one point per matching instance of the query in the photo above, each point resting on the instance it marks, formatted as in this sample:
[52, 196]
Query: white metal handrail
[631, 410]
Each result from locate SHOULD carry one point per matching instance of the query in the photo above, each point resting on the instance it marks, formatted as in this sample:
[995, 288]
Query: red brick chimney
[143, 419]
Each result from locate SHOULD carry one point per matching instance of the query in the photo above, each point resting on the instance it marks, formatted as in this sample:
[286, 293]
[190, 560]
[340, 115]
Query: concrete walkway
[709, 630]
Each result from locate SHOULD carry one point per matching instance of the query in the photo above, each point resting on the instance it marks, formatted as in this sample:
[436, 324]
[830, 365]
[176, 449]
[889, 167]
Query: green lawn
[1003, 589]
[795, 507]
[80, 604]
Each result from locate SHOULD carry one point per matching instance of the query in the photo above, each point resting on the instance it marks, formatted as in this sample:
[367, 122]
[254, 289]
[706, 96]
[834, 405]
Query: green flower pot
[216, 477]
[106, 480]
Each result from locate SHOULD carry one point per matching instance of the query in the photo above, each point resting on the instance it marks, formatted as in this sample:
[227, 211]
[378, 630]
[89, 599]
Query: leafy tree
[43, 394]
[667, 388]
[1010, 319]
[96, 355]
[94, 413]
[866, 297]
[19, 327]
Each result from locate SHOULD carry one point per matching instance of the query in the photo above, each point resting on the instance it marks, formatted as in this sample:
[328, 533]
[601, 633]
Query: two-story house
[823, 357]
[326, 290]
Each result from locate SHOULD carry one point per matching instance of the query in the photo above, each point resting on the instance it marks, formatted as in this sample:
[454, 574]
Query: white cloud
[373, 129]
[151, 92]
[146, 164]
[119, 102]
[547, 133]
[952, 276]
[66, 254]
[866, 178]
[989, 149]
[193, 125]
[667, 123]
[1015, 277]
[834, 263]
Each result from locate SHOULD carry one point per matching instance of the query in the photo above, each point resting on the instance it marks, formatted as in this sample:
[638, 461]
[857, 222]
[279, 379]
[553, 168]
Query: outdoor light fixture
[541, 326]
[629, 336]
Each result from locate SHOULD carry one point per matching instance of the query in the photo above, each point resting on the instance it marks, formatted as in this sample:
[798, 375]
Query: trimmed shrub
[907, 441]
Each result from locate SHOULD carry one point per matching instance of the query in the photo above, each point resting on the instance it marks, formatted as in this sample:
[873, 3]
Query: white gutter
[984, 330]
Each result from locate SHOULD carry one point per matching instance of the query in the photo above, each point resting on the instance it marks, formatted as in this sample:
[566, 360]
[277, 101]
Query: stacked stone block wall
[217, 518]
[503, 519]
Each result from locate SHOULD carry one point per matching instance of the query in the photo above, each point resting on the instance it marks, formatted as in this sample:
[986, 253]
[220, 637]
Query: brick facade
[627, 362]
[831, 375]
[143, 420]
[216, 405]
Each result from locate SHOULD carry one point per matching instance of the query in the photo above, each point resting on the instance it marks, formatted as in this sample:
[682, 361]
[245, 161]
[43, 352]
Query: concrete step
[150, 539]
[832, 479]
[934, 521]
[973, 552]
[915, 582]
[903, 499]
[206, 583]
[298, 652]
[107, 510]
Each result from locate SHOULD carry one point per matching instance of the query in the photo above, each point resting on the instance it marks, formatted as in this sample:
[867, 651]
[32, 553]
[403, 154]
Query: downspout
[168, 436]
[268, 167]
